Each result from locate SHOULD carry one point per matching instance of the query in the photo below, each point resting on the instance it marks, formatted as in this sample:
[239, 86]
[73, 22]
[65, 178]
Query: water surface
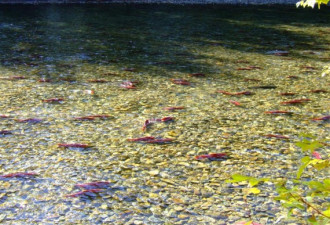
[74, 46]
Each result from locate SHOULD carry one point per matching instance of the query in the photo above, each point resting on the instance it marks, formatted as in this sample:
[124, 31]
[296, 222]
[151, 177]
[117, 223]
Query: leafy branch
[298, 193]
[311, 3]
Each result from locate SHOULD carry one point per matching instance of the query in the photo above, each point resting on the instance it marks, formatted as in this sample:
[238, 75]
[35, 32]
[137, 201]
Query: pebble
[178, 208]
[154, 172]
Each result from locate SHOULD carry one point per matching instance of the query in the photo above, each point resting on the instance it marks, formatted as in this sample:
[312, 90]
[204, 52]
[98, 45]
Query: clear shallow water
[72, 45]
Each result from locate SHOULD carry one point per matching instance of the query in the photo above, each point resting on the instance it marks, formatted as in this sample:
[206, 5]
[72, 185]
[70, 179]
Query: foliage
[311, 3]
[306, 195]
[252, 181]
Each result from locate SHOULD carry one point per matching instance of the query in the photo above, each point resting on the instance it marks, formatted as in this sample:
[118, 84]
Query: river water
[127, 63]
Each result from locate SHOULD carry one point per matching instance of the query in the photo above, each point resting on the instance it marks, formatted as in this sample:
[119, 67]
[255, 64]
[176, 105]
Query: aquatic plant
[305, 196]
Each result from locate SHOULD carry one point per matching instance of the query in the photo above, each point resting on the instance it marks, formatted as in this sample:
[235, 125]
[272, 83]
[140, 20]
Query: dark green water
[155, 184]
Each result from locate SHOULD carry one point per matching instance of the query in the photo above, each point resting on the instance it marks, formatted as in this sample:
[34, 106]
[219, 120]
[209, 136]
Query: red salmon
[17, 78]
[29, 120]
[129, 69]
[92, 117]
[225, 92]
[252, 79]
[235, 103]
[295, 101]
[19, 175]
[166, 119]
[165, 63]
[197, 74]
[244, 68]
[281, 53]
[85, 193]
[324, 118]
[174, 108]
[93, 185]
[141, 139]
[249, 68]
[73, 145]
[244, 93]
[276, 136]
[149, 122]
[44, 80]
[5, 132]
[242, 61]
[279, 112]
[293, 77]
[84, 118]
[160, 141]
[97, 81]
[128, 84]
[102, 116]
[50, 100]
[145, 125]
[180, 81]
[318, 91]
[287, 94]
[308, 67]
[237, 93]
[212, 156]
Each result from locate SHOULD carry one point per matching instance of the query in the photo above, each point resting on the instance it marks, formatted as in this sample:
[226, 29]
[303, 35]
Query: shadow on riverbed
[159, 36]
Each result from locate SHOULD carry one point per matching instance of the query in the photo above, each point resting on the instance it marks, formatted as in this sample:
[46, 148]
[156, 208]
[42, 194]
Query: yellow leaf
[254, 191]
[327, 212]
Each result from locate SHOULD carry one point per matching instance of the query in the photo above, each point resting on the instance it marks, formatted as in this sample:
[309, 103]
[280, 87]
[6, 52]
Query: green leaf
[230, 181]
[238, 177]
[314, 184]
[282, 190]
[279, 198]
[312, 220]
[290, 213]
[305, 135]
[307, 144]
[306, 160]
[303, 145]
[301, 170]
[295, 189]
[326, 183]
[294, 204]
[314, 145]
[295, 181]
[300, 206]
[264, 179]
[284, 195]
[254, 182]
[281, 182]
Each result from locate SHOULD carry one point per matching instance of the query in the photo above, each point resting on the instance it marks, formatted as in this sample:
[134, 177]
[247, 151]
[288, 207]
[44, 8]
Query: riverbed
[98, 75]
